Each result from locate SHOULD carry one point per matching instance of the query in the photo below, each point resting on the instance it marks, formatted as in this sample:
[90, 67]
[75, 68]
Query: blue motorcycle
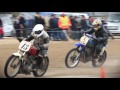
[86, 44]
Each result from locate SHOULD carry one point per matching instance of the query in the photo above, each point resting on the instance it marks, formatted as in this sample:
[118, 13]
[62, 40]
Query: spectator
[1, 23]
[17, 27]
[22, 22]
[83, 23]
[1, 32]
[47, 19]
[47, 24]
[29, 25]
[39, 19]
[1, 29]
[54, 27]
[74, 27]
[64, 24]
[90, 21]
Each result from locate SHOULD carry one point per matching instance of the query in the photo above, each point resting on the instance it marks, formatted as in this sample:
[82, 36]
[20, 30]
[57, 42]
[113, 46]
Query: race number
[24, 46]
[84, 40]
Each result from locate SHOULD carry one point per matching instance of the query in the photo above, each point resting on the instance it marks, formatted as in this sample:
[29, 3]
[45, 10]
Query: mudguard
[17, 54]
[78, 44]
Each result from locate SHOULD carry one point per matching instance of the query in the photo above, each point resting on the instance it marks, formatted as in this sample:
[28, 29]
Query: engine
[33, 51]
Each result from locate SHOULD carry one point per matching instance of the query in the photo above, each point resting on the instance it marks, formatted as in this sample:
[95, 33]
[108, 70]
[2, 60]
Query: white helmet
[38, 30]
[97, 24]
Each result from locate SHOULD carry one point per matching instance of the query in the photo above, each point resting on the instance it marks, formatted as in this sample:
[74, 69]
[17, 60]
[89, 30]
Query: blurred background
[20, 24]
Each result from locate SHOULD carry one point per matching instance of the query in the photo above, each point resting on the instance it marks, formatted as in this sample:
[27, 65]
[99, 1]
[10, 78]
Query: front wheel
[43, 66]
[72, 58]
[12, 66]
[99, 61]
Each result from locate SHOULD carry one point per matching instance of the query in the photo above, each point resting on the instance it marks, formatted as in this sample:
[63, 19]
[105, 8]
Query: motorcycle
[25, 61]
[86, 44]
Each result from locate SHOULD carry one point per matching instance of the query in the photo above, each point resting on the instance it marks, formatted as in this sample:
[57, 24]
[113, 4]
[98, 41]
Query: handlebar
[90, 36]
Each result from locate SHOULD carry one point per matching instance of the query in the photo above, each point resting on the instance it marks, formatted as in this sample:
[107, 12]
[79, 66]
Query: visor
[38, 32]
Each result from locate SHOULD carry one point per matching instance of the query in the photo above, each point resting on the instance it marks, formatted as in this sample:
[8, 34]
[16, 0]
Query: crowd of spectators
[53, 26]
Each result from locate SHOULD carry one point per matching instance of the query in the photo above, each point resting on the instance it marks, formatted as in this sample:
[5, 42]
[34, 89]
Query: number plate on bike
[84, 40]
[25, 46]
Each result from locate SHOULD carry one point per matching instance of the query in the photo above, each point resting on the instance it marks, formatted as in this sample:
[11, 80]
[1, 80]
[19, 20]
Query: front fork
[20, 57]
[80, 49]
[82, 54]
[102, 51]
[15, 65]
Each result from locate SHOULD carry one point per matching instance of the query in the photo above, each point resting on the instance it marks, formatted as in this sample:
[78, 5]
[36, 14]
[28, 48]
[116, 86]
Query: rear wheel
[72, 58]
[43, 66]
[12, 66]
[99, 61]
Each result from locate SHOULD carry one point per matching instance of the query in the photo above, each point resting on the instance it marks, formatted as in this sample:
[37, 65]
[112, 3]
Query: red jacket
[1, 30]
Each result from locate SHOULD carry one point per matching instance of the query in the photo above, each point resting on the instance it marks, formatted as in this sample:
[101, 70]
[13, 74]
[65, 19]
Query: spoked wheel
[98, 62]
[43, 66]
[12, 66]
[72, 58]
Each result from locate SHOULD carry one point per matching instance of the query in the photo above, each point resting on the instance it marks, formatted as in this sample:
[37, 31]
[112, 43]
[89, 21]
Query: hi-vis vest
[64, 22]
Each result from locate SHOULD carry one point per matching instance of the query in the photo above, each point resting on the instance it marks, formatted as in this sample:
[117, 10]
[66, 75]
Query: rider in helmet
[41, 39]
[101, 35]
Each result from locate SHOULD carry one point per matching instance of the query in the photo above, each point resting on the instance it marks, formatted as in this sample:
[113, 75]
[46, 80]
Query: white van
[7, 24]
[113, 22]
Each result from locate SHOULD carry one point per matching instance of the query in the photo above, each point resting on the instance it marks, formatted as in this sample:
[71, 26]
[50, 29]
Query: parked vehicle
[113, 22]
[7, 24]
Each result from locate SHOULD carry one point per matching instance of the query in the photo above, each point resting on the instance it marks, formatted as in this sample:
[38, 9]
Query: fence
[55, 34]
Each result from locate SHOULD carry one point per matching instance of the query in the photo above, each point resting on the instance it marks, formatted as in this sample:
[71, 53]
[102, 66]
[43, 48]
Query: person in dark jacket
[90, 21]
[17, 27]
[101, 36]
[75, 34]
[1, 23]
[83, 23]
[54, 27]
[1, 29]
[1, 32]
[22, 22]
[39, 19]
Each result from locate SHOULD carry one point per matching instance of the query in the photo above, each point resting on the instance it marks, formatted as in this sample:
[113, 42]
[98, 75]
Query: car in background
[113, 22]
[7, 24]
